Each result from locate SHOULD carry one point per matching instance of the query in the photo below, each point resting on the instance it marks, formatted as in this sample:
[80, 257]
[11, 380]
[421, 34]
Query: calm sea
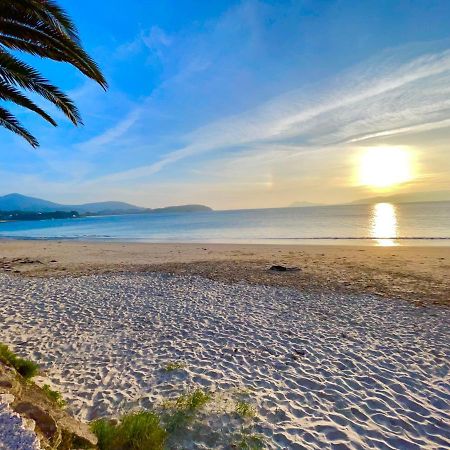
[379, 224]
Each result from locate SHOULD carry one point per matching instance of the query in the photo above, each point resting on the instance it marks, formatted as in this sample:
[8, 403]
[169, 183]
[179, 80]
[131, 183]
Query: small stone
[279, 268]
[5, 384]
[7, 398]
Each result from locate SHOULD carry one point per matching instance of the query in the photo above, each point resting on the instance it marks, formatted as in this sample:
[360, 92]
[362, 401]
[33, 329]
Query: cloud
[156, 38]
[381, 98]
[99, 142]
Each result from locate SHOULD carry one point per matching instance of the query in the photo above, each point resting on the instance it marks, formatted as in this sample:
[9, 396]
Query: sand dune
[323, 371]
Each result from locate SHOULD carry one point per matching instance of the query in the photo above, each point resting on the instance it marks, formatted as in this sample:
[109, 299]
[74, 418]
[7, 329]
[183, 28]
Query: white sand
[324, 371]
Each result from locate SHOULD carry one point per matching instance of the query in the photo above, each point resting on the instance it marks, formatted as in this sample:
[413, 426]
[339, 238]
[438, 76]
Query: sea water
[377, 224]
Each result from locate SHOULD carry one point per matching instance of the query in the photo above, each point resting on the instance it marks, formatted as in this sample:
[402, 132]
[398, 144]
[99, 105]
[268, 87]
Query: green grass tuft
[183, 409]
[249, 441]
[135, 431]
[175, 365]
[28, 369]
[54, 396]
[244, 409]
[193, 401]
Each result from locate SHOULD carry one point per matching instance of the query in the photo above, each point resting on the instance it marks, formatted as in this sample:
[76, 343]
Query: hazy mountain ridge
[23, 203]
[305, 204]
[414, 197]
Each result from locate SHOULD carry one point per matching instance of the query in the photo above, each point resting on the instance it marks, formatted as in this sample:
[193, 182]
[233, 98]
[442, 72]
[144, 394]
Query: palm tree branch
[14, 71]
[45, 10]
[10, 93]
[8, 121]
[48, 42]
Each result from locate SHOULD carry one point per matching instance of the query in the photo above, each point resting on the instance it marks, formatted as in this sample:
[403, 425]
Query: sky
[243, 104]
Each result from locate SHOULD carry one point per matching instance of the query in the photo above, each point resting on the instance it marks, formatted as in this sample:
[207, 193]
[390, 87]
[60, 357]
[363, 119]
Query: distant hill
[19, 202]
[432, 196]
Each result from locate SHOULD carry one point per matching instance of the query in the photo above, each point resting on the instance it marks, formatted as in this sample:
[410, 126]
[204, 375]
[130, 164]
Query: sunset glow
[383, 167]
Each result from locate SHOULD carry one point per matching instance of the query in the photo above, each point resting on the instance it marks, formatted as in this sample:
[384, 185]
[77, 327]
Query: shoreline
[418, 274]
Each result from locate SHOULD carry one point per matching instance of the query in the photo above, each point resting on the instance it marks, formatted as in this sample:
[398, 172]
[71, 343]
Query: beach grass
[137, 431]
[149, 430]
[28, 369]
[181, 411]
[245, 409]
[174, 365]
[249, 441]
[54, 396]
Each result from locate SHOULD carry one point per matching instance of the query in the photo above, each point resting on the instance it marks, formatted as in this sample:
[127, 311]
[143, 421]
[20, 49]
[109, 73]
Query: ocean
[379, 224]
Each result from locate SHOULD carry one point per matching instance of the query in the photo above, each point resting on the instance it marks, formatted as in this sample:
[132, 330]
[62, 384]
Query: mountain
[413, 197]
[18, 202]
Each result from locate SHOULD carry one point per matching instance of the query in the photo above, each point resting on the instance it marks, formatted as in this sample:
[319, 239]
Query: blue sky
[241, 104]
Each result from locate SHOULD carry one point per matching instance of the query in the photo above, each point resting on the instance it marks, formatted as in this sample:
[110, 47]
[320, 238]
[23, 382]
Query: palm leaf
[16, 72]
[45, 10]
[10, 93]
[8, 121]
[42, 40]
[40, 28]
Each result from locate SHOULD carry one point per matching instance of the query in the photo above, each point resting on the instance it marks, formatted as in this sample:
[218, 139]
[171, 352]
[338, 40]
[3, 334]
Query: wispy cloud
[380, 98]
[99, 142]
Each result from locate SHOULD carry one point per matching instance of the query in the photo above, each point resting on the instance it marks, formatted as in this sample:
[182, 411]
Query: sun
[384, 167]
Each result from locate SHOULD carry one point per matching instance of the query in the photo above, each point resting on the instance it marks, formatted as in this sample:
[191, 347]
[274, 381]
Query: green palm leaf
[8, 121]
[40, 28]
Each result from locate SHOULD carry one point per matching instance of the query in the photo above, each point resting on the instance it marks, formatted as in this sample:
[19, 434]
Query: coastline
[417, 274]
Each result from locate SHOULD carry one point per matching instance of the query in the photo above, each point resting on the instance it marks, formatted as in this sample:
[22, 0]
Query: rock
[44, 421]
[5, 385]
[79, 433]
[279, 268]
[7, 398]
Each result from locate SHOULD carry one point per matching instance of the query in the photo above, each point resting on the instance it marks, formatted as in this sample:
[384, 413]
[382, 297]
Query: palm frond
[16, 72]
[8, 121]
[41, 28]
[10, 93]
[48, 42]
[45, 10]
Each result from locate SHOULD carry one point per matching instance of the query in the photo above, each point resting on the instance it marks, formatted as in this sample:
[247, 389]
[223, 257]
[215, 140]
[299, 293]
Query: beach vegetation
[175, 421]
[245, 409]
[140, 430]
[40, 28]
[248, 441]
[181, 411]
[149, 429]
[25, 367]
[174, 365]
[54, 396]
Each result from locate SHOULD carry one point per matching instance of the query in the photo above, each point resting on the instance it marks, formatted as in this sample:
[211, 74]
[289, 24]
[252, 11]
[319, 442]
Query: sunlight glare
[382, 167]
[384, 224]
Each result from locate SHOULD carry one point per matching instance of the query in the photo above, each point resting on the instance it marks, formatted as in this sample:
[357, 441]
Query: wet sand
[417, 274]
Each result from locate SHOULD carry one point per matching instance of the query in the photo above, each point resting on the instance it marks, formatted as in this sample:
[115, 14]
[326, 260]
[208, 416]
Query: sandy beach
[416, 274]
[350, 351]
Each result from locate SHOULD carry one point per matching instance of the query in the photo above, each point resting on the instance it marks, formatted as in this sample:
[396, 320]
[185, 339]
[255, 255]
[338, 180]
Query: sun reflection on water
[384, 224]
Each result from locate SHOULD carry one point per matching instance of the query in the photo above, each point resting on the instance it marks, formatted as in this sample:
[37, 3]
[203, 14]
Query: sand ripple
[325, 371]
